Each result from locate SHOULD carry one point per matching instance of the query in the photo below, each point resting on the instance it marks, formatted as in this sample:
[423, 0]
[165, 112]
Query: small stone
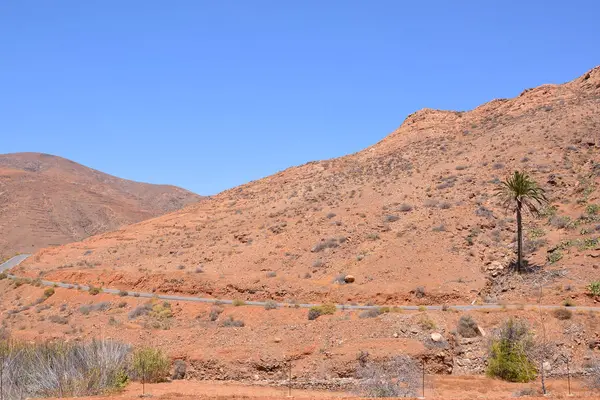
[481, 331]
[277, 340]
[547, 366]
[395, 334]
[436, 337]
[349, 279]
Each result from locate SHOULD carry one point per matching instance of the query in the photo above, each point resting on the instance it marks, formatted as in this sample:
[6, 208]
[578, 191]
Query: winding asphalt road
[16, 260]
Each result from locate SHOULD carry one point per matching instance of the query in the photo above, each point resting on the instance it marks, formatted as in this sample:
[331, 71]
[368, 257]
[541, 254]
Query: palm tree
[520, 192]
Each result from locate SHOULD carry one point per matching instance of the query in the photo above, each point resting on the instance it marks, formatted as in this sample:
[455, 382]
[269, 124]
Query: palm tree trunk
[519, 237]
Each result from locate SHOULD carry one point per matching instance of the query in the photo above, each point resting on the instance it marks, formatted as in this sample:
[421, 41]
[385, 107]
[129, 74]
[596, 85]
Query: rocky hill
[47, 200]
[413, 218]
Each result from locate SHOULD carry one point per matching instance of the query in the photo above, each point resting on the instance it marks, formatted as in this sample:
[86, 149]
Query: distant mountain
[47, 200]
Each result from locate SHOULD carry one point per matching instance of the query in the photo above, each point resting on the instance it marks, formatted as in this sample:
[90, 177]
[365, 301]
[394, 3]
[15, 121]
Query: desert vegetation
[61, 369]
[509, 353]
[324, 309]
[519, 192]
[396, 377]
[413, 221]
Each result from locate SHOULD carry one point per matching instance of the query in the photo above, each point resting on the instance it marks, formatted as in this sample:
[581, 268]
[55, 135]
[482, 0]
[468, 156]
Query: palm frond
[520, 189]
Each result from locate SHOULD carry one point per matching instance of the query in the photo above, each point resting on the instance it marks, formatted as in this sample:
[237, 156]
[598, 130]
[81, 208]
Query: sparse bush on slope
[397, 377]
[508, 358]
[593, 378]
[324, 309]
[594, 289]
[467, 327]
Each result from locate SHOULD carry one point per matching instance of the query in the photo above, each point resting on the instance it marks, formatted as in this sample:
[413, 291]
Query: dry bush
[419, 292]
[271, 305]
[525, 392]
[179, 370]
[102, 306]
[58, 319]
[4, 333]
[430, 203]
[370, 313]
[215, 311]
[391, 218]
[233, 323]
[593, 377]
[397, 377]
[142, 309]
[562, 314]
[325, 244]
[62, 369]
[560, 222]
[467, 327]
[445, 205]
[405, 207]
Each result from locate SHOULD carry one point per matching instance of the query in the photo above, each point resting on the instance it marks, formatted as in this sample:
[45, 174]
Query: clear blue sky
[209, 95]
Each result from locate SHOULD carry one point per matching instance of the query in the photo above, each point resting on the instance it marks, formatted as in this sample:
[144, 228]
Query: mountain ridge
[50, 200]
[376, 214]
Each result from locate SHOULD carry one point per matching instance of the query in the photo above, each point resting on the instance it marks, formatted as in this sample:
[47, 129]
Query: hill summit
[47, 200]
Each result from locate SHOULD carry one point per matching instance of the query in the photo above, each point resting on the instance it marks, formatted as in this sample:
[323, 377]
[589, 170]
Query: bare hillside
[413, 214]
[47, 200]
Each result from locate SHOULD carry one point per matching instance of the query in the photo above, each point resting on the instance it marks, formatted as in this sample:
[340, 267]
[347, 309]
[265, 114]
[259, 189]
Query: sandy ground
[437, 387]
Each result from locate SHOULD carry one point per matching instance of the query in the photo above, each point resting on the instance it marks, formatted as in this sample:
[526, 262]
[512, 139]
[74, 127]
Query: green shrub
[94, 290]
[49, 292]
[238, 303]
[21, 281]
[535, 233]
[592, 209]
[555, 256]
[324, 309]
[150, 365]
[508, 353]
[3, 276]
[159, 315]
[594, 288]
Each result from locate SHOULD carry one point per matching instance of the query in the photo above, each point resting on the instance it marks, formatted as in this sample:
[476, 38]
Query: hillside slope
[47, 200]
[413, 213]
